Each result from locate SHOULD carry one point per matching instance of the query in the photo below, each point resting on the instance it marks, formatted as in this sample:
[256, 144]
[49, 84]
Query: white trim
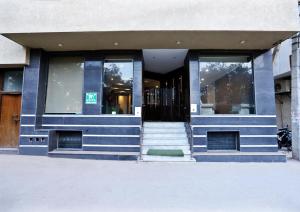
[33, 145]
[28, 115]
[108, 145]
[93, 135]
[87, 125]
[89, 116]
[258, 136]
[199, 136]
[43, 136]
[238, 116]
[258, 145]
[273, 126]
[202, 146]
[27, 125]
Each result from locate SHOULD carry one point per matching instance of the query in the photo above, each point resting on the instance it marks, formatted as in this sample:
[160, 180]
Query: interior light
[202, 79]
[116, 44]
[178, 42]
[60, 44]
[242, 42]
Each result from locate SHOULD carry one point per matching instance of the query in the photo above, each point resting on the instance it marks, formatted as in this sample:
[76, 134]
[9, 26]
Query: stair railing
[189, 132]
[141, 140]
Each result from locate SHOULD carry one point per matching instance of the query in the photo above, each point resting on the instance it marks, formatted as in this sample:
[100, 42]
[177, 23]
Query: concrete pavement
[32, 183]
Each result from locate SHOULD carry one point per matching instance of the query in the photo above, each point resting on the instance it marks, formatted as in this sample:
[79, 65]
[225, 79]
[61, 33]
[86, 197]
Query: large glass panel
[13, 81]
[65, 83]
[117, 87]
[226, 85]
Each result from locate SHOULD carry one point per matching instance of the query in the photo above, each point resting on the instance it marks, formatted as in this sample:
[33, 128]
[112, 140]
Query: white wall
[17, 16]
[12, 54]
[283, 111]
[281, 63]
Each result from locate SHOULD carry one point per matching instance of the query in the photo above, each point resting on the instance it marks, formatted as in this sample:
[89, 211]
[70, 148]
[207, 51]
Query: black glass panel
[226, 85]
[117, 87]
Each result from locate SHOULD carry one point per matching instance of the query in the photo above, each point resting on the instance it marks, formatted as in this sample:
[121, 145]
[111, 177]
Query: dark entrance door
[165, 97]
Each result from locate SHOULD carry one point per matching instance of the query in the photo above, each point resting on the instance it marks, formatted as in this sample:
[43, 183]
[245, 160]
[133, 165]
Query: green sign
[91, 98]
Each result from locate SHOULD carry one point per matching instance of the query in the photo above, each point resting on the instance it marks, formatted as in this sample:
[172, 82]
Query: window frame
[229, 54]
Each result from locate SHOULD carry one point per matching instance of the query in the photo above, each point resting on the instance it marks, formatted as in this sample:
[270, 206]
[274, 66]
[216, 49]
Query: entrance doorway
[165, 86]
[10, 103]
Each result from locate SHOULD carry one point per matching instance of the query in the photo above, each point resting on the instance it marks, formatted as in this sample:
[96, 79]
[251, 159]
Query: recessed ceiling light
[178, 42]
[116, 44]
[60, 44]
[242, 42]
[202, 79]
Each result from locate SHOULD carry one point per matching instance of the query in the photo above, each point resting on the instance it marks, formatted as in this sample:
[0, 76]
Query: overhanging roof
[71, 41]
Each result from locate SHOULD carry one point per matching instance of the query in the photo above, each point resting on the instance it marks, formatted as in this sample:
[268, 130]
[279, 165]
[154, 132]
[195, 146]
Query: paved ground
[30, 183]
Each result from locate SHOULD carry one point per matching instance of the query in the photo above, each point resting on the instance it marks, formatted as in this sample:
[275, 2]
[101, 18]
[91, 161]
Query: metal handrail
[189, 132]
[141, 140]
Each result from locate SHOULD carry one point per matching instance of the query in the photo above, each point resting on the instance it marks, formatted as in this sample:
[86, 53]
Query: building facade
[91, 80]
[282, 56]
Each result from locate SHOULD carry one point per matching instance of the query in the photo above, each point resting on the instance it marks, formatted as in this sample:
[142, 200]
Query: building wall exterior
[112, 15]
[282, 72]
[257, 132]
[107, 133]
[121, 133]
[12, 54]
[95, 29]
[283, 111]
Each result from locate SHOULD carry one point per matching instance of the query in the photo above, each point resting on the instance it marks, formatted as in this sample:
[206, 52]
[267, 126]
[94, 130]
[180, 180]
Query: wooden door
[10, 120]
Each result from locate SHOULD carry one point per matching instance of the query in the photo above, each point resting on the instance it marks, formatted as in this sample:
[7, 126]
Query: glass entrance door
[164, 99]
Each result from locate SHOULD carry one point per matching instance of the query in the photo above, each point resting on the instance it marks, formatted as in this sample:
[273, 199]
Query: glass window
[226, 85]
[65, 83]
[117, 87]
[13, 81]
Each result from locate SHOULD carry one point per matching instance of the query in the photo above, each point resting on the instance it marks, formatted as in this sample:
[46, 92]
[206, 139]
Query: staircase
[165, 136]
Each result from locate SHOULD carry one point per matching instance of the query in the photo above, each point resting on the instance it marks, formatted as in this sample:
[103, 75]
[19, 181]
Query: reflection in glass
[117, 87]
[65, 83]
[13, 81]
[226, 85]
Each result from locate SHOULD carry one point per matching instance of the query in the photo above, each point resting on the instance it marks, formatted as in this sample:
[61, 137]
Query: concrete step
[150, 158]
[97, 155]
[165, 142]
[165, 136]
[164, 130]
[11, 151]
[163, 124]
[236, 156]
[185, 149]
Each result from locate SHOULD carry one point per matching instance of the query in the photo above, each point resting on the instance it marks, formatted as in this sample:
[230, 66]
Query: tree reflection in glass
[117, 87]
[226, 85]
